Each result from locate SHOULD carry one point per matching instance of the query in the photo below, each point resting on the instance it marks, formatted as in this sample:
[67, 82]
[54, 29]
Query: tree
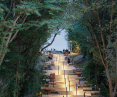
[25, 27]
[99, 18]
[14, 18]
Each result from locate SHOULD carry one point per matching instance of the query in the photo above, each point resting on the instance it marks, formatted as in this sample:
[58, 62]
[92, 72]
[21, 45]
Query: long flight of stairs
[66, 81]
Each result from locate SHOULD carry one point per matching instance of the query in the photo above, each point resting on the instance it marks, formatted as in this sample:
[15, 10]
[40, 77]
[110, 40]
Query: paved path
[64, 73]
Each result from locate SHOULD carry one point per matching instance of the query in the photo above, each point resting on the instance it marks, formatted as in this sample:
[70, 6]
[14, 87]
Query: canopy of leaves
[25, 25]
[98, 21]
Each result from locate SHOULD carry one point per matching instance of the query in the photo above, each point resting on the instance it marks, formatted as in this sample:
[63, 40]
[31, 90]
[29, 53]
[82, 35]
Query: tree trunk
[110, 82]
[7, 41]
[96, 74]
[105, 65]
[49, 43]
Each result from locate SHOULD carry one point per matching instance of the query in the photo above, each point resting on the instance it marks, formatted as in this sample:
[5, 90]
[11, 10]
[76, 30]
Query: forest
[26, 26]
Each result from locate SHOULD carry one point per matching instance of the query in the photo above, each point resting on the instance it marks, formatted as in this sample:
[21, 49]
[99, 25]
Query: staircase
[66, 83]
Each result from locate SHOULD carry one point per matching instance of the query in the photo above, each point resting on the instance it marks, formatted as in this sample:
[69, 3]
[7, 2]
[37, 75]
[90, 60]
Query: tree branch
[100, 26]
[111, 17]
[115, 88]
[9, 10]
[6, 45]
[97, 60]
[98, 46]
[17, 30]
[49, 43]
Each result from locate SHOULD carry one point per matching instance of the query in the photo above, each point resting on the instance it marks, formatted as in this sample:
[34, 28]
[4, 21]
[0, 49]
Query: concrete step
[55, 95]
[79, 92]
[71, 89]
[61, 72]
[63, 85]
[69, 75]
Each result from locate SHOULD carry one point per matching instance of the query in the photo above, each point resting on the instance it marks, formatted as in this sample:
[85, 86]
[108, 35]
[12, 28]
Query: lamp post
[63, 65]
[95, 87]
[84, 93]
[65, 82]
[99, 92]
[70, 45]
[69, 85]
[53, 83]
[58, 69]
[76, 89]
[64, 74]
[40, 94]
[68, 77]
[66, 91]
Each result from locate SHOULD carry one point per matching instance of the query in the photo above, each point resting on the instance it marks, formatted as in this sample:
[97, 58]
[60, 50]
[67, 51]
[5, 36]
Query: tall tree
[24, 27]
[14, 15]
[99, 18]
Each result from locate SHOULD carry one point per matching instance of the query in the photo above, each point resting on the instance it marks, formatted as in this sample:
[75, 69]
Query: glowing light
[59, 67]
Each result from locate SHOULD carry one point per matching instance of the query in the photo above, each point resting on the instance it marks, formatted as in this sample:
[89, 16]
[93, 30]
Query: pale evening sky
[60, 42]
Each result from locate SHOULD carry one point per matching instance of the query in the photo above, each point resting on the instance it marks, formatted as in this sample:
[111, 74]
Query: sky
[60, 42]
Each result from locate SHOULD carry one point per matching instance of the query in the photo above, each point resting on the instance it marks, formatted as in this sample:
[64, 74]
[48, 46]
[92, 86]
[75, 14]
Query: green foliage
[79, 35]
[25, 27]
[97, 22]
[89, 72]
[94, 73]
